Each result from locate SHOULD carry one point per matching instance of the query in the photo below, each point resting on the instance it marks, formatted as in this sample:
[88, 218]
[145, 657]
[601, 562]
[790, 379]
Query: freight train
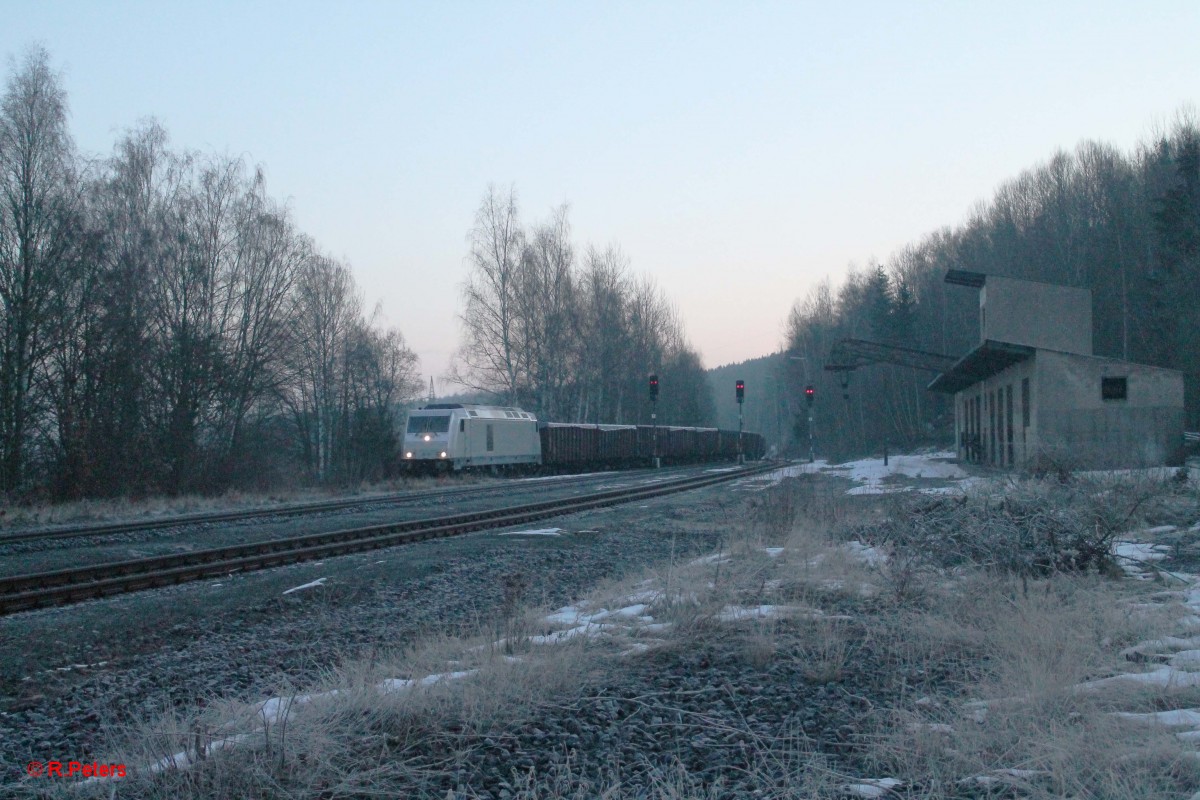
[452, 436]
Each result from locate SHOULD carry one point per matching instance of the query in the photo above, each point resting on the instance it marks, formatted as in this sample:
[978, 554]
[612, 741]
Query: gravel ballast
[69, 676]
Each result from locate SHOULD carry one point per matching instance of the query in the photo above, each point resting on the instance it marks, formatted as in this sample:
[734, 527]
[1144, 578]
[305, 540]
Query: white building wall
[1081, 427]
[1068, 420]
[1035, 314]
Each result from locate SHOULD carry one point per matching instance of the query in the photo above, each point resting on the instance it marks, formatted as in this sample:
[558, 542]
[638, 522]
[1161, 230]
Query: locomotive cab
[444, 436]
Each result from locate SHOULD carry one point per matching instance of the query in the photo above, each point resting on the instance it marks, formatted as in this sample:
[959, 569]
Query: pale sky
[737, 152]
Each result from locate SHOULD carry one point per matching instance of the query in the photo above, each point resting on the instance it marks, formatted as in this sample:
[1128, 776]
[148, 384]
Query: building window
[1114, 388]
[1008, 423]
[1024, 402]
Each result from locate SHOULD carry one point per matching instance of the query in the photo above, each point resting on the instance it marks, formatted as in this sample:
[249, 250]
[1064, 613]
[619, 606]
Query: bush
[1026, 527]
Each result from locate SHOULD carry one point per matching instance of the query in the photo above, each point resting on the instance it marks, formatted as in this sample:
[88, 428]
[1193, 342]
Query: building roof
[983, 362]
[962, 277]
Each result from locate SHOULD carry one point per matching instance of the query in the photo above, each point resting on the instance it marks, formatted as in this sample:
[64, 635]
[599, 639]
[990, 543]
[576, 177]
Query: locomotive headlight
[408, 455]
[428, 437]
[443, 454]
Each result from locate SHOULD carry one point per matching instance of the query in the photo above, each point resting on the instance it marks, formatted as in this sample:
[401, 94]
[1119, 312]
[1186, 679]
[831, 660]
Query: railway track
[297, 509]
[62, 587]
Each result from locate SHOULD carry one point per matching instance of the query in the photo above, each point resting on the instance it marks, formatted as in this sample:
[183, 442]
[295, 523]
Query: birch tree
[489, 358]
[38, 204]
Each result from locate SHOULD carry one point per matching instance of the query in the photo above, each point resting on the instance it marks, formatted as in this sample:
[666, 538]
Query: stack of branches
[1029, 527]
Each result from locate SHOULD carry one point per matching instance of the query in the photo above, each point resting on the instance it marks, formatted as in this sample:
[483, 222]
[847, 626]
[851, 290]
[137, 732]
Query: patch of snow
[735, 613]
[570, 615]
[878, 488]
[1178, 718]
[977, 710]
[1162, 678]
[1139, 551]
[634, 610]
[872, 787]
[588, 631]
[871, 556]
[839, 585]
[925, 465]
[538, 532]
[773, 552]
[1003, 776]
[1186, 658]
[1157, 646]
[402, 684]
[276, 708]
[563, 477]
[317, 582]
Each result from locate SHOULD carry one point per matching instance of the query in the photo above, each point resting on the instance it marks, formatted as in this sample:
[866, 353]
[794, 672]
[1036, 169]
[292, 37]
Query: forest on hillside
[165, 328]
[1124, 225]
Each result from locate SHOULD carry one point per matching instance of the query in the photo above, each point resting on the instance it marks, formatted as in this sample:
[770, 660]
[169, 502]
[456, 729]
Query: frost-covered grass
[125, 508]
[1071, 680]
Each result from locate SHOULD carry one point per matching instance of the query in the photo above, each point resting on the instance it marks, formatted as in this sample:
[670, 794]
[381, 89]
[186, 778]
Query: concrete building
[1032, 389]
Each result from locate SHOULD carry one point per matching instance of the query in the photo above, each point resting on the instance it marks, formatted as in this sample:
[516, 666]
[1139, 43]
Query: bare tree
[380, 373]
[324, 314]
[602, 334]
[546, 301]
[489, 358]
[38, 200]
[269, 256]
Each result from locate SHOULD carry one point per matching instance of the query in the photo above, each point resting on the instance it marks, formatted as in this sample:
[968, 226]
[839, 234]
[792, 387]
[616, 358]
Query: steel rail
[61, 587]
[296, 509]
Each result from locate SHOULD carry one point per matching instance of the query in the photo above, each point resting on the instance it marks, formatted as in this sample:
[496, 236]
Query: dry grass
[989, 705]
[1016, 705]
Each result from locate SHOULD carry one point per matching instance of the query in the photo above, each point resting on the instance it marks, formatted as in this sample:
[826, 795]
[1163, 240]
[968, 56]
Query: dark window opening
[1008, 423]
[991, 403]
[490, 441]
[1024, 402]
[1114, 388]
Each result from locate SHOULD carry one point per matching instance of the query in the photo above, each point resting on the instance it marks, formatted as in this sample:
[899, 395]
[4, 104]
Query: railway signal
[654, 419]
[740, 386]
[810, 394]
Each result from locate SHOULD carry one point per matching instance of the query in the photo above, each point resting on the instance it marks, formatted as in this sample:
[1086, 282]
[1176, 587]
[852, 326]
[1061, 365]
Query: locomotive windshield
[431, 424]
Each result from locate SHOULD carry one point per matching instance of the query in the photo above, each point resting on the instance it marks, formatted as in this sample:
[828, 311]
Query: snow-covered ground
[871, 475]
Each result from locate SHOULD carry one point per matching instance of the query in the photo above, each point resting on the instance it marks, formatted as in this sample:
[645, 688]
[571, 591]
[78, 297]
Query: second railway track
[289, 510]
[61, 587]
